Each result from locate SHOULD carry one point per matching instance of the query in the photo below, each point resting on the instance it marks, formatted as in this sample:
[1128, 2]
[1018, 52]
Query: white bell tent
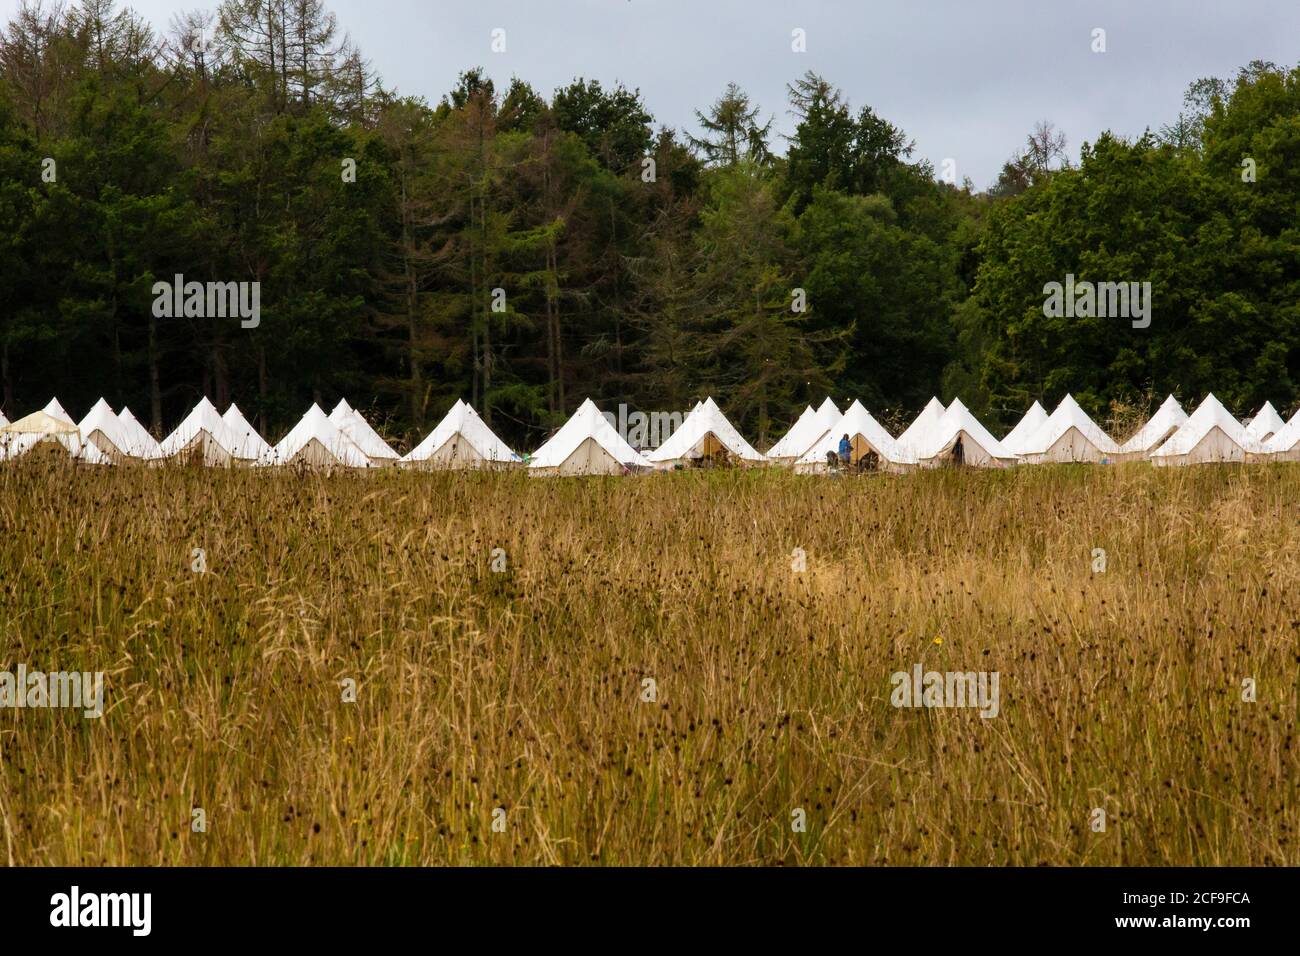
[1033, 420]
[461, 440]
[705, 434]
[1168, 417]
[316, 442]
[1211, 434]
[865, 434]
[353, 424]
[202, 437]
[250, 446]
[979, 448]
[587, 444]
[1069, 435]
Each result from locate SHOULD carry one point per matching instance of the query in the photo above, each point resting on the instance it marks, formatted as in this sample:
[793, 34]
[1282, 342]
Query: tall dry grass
[522, 690]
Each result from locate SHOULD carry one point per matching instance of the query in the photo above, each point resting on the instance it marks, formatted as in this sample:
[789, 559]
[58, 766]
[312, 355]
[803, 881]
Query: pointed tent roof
[1286, 438]
[249, 444]
[1166, 420]
[1210, 414]
[462, 420]
[143, 444]
[203, 419]
[801, 434]
[707, 419]
[3, 421]
[55, 410]
[1069, 415]
[916, 436]
[828, 413]
[587, 422]
[102, 419]
[959, 419]
[857, 421]
[1266, 422]
[316, 427]
[354, 425]
[1033, 420]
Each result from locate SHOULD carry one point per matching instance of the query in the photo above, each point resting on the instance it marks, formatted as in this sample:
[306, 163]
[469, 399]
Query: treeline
[525, 251]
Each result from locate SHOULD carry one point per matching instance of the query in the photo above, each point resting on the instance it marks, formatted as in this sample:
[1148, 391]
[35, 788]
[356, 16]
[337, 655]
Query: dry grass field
[523, 690]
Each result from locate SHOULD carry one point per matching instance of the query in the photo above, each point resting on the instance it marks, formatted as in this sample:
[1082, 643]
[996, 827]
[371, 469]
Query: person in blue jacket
[846, 449]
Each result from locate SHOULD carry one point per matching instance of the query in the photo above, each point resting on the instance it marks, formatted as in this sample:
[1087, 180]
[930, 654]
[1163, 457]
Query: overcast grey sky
[966, 79]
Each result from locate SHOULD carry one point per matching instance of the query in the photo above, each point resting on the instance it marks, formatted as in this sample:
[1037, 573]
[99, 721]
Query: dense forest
[525, 250]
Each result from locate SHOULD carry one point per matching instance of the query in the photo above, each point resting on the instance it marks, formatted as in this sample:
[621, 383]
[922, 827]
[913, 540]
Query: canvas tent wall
[1069, 435]
[1033, 420]
[353, 424]
[916, 437]
[979, 448]
[1266, 423]
[317, 443]
[461, 440]
[1168, 417]
[866, 435]
[144, 445]
[1285, 443]
[249, 445]
[1211, 434]
[587, 444]
[705, 434]
[202, 438]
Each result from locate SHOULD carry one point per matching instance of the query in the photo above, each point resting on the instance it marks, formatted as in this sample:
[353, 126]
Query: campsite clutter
[822, 440]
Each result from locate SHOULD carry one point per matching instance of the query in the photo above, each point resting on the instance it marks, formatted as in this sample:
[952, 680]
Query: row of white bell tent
[1170, 437]
[589, 444]
[344, 438]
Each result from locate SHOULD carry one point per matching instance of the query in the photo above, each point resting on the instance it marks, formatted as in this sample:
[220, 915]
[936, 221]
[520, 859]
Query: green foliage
[1219, 251]
[523, 254]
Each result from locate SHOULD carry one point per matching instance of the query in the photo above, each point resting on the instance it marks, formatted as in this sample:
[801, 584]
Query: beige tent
[42, 431]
